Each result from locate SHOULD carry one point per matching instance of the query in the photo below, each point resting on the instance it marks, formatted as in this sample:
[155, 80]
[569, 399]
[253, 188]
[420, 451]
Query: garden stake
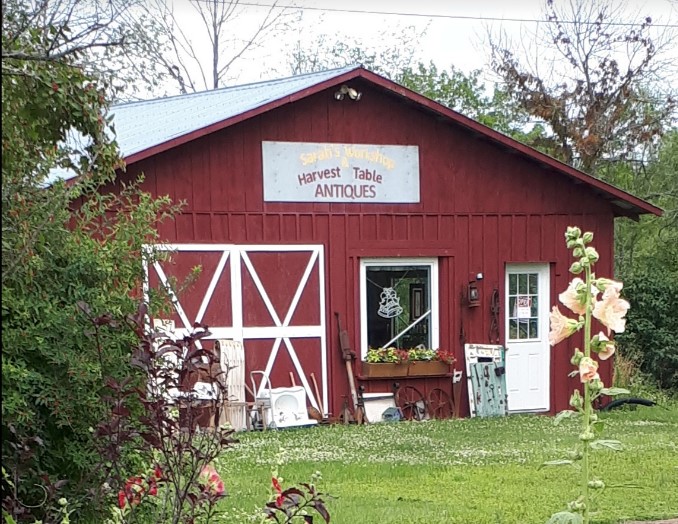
[315, 387]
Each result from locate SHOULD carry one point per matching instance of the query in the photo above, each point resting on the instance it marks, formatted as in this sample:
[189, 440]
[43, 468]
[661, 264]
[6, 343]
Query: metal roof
[142, 125]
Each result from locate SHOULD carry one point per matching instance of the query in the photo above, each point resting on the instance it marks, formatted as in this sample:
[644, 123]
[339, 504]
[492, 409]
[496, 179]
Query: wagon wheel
[411, 402]
[440, 404]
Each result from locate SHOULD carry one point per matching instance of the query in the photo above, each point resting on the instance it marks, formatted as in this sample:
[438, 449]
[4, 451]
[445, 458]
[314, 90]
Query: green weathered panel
[489, 389]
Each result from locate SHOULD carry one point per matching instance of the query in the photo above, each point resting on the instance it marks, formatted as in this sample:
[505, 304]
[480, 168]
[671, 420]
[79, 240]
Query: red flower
[278, 488]
[132, 493]
[211, 480]
[122, 499]
[153, 490]
[157, 472]
[276, 485]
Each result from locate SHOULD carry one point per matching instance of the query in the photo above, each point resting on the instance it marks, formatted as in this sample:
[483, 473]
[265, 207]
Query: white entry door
[527, 325]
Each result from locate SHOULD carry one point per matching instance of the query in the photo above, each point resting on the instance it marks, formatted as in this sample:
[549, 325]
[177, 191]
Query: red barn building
[344, 192]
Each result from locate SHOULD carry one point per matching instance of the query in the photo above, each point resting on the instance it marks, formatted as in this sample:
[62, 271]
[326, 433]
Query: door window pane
[523, 306]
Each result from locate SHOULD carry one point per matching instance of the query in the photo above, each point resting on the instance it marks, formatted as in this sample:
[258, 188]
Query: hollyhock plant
[581, 297]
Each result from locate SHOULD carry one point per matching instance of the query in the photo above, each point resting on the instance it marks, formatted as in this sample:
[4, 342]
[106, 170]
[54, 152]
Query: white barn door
[256, 294]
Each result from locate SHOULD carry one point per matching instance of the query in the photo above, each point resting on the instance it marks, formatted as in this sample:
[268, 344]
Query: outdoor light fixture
[345, 90]
[473, 294]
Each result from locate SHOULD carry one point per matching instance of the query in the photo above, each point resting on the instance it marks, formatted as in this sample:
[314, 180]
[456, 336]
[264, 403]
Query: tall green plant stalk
[581, 297]
[586, 419]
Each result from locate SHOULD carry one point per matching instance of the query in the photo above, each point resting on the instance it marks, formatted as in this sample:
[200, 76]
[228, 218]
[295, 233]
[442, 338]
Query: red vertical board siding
[200, 176]
[481, 207]
[185, 229]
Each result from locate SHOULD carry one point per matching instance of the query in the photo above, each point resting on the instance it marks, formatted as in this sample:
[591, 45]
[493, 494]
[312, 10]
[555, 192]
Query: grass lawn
[461, 471]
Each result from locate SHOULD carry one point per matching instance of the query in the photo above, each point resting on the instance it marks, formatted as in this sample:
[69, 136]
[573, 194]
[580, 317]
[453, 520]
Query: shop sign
[524, 306]
[325, 172]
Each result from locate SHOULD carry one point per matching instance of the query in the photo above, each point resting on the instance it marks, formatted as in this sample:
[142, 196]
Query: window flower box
[424, 368]
[400, 363]
[415, 368]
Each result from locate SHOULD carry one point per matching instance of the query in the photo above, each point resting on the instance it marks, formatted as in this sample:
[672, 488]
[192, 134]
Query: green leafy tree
[467, 94]
[647, 260]
[330, 52]
[61, 243]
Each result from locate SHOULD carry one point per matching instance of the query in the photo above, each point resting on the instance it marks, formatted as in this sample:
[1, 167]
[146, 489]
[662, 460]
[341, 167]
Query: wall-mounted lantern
[473, 293]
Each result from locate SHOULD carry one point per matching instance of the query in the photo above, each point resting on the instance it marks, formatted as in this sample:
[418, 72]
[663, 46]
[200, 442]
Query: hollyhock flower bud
[572, 233]
[576, 358]
[587, 436]
[561, 326]
[604, 283]
[592, 254]
[575, 400]
[596, 384]
[576, 268]
[587, 237]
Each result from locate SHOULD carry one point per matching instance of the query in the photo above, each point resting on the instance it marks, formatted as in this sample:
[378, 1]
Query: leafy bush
[650, 337]
[61, 243]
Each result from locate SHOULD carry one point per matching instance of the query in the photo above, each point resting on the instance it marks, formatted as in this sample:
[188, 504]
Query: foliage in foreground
[61, 243]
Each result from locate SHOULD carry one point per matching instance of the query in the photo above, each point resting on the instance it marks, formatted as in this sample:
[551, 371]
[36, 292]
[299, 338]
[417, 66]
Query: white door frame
[524, 349]
[281, 332]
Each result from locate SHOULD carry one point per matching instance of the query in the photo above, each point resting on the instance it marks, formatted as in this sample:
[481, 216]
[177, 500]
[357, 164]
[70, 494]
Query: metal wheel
[440, 404]
[411, 402]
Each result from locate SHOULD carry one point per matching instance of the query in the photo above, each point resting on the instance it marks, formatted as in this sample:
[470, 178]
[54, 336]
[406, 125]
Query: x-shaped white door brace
[282, 331]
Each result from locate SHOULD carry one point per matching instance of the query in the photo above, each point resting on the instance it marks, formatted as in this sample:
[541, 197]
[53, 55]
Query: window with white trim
[399, 303]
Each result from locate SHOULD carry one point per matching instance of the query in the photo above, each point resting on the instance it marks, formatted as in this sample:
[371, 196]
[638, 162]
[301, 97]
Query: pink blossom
[571, 299]
[561, 326]
[612, 309]
[608, 349]
[211, 480]
[588, 369]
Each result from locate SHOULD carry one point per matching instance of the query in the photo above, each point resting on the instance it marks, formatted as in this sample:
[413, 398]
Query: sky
[454, 30]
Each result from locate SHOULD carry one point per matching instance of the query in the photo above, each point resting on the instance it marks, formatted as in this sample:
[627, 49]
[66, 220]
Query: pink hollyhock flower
[608, 348]
[571, 299]
[588, 369]
[611, 309]
[211, 480]
[561, 326]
